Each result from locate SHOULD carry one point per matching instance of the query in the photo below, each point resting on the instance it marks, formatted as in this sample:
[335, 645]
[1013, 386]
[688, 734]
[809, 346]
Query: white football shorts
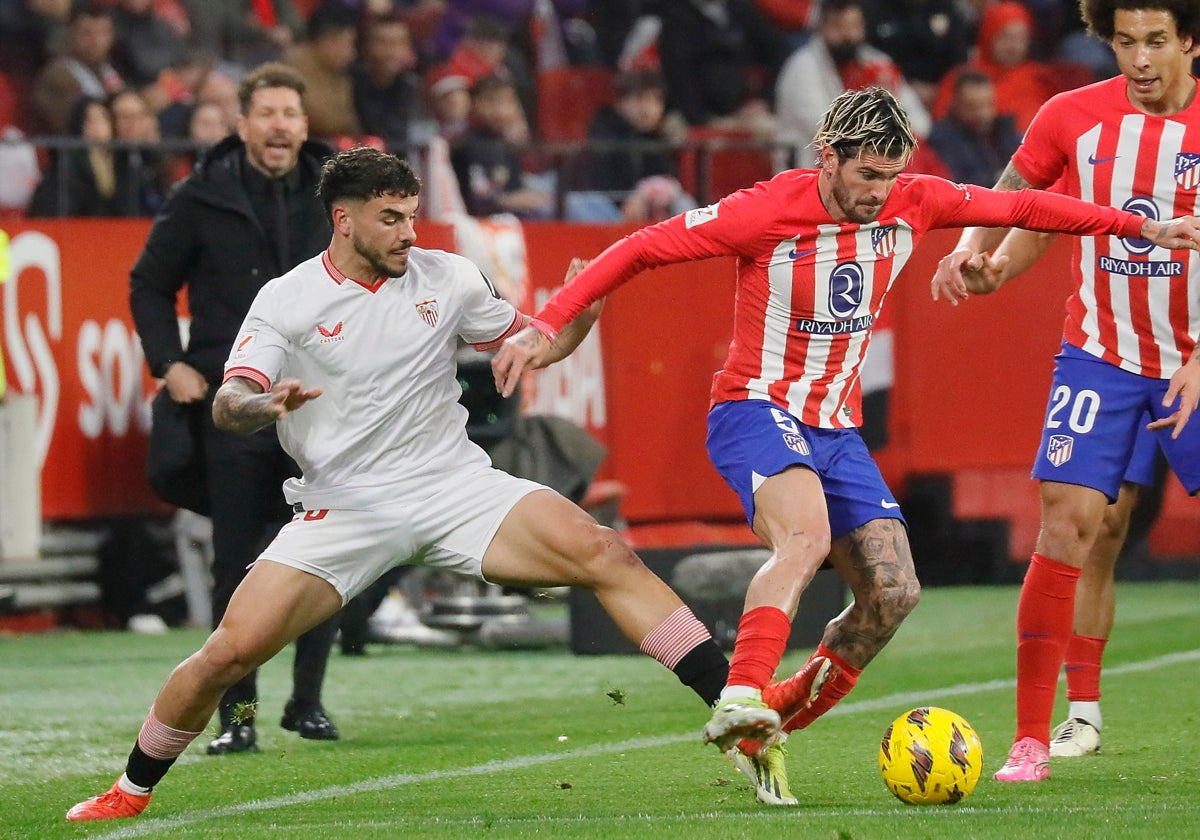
[450, 528]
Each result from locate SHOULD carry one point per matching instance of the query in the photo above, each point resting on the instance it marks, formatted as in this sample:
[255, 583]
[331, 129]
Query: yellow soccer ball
[930, 756]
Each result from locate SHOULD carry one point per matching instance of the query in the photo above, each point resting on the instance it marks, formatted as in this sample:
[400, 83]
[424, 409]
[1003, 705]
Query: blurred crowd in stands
[592, 110]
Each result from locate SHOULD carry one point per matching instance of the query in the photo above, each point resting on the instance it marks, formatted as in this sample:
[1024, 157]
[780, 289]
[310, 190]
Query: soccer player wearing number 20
[1129, 345]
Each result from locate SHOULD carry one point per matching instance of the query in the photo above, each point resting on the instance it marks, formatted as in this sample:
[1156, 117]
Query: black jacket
[208, 239]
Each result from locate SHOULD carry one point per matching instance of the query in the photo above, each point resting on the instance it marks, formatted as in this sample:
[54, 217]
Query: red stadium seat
[568, 97]
[728, 160]
[9, 102]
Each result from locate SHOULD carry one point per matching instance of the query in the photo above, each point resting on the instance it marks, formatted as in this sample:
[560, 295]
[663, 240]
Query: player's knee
[222, 661]
[604, 557]
[1069, 521]
[803, 550]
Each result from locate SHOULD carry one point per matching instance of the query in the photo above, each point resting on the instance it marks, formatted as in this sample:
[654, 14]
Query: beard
[382, 263]
[855, 212]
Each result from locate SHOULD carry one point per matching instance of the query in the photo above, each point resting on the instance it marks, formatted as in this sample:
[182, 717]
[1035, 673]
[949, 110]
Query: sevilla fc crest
[428, 310]
[1058, 450]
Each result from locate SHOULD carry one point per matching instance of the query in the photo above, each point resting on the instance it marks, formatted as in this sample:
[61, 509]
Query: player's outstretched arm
[1184, 388]
[570, 336]
[531, 349]
[242, 406]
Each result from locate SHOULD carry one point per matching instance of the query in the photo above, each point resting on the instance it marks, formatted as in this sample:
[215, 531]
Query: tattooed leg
[876, 562]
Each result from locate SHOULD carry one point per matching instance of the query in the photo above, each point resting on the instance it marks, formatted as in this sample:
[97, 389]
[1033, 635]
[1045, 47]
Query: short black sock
[145, 771]
[705, 670]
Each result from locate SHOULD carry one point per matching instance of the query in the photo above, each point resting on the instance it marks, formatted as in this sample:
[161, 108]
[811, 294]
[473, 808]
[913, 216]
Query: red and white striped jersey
[1135, 305]
[810, 289]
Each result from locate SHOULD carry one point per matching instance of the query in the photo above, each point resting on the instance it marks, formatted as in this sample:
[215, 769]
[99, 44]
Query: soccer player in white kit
[351, 354]
[1129, 346]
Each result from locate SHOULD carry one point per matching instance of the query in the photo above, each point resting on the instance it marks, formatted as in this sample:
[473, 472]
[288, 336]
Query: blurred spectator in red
[973, 141]
[324, 61]
[487, 159]
[926, 39]
[720, 58]
[1002, 53]
[795, 19]
[387, 91]
[485, 49]
[245, 32]
[83, 69]
[144, 44]
[450, 101]
[89, 181]
[835, 59]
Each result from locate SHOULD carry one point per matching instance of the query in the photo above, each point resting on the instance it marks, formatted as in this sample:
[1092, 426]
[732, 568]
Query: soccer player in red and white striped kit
[1129, 347]
[817, 251]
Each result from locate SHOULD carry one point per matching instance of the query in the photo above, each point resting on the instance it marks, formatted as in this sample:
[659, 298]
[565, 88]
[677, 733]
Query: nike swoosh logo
[1093, 160]
[795, 255]
[888, 505]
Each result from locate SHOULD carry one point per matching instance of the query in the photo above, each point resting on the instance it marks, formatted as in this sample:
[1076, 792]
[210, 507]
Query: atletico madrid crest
[1187, 170]
[1058, 450]
[883, 241]
[428, 310]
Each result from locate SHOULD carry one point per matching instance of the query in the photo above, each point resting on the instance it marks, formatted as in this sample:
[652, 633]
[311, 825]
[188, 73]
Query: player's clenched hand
[1183, 232]
[287, 395]
[1184, 387]
[524, 351]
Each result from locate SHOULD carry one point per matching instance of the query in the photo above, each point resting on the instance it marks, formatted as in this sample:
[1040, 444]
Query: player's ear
[828, 158]
[341, 219]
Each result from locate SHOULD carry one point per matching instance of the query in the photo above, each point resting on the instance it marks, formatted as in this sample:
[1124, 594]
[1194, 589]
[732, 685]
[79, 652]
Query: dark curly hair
[364, 173]
[1100, 15]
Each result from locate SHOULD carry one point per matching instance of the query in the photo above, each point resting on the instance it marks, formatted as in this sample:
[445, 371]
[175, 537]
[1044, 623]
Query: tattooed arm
[242, 406]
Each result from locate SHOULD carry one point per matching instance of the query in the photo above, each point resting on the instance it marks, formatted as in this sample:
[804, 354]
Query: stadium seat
[568, 97]
[718, 161]
[10, 98]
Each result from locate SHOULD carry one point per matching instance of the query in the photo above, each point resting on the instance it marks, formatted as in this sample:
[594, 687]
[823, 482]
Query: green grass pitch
[471, 743]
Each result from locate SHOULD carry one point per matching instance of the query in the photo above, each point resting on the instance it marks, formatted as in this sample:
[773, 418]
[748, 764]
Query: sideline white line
[147, 826]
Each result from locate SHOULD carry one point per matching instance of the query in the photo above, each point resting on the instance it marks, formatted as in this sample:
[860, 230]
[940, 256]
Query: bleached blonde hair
[870, 119]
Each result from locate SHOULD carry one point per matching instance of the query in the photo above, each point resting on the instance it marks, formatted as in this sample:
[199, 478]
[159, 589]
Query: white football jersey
[389, 424]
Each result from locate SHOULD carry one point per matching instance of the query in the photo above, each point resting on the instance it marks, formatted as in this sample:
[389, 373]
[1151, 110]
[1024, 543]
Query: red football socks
[1045, 614]
[761, 640]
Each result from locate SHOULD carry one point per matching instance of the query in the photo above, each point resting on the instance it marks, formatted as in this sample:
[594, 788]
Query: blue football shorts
[1094, 434]
[752, 440]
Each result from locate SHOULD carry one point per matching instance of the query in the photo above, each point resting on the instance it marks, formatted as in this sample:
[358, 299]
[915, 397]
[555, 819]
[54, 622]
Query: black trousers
[245, 478]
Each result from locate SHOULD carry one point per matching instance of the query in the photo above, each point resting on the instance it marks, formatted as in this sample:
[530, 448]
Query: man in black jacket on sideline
[247, 214]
